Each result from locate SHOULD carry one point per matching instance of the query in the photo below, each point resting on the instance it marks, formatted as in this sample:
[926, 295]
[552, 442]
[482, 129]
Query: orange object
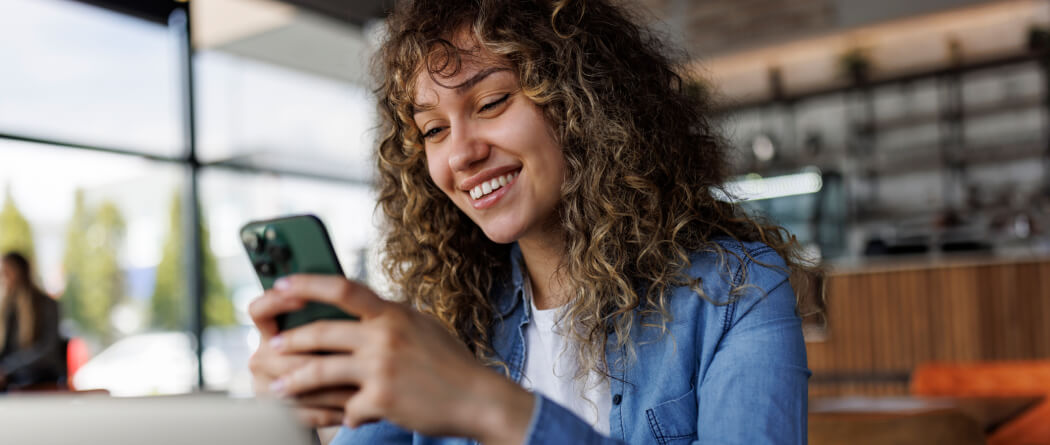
[77, 354]
[999, 378]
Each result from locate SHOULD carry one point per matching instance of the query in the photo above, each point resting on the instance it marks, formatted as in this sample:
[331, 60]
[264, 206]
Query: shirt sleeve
[373, 433]
[42, 353]
[756, 388]
[553, 424]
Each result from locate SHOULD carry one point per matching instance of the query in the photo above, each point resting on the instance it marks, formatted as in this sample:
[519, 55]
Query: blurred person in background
[29, 335]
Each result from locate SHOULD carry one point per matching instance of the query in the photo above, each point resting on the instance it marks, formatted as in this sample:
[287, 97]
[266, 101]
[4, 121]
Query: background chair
[994, 379]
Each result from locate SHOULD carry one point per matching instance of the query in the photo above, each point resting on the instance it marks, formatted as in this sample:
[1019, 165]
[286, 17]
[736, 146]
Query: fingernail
[281, 284]
[278, 386]
[277, 342]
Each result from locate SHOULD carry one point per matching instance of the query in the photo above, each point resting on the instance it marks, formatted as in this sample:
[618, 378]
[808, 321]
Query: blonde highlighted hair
[643, 162]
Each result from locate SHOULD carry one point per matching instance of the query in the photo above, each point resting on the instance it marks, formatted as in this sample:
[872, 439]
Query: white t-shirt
[550, 365]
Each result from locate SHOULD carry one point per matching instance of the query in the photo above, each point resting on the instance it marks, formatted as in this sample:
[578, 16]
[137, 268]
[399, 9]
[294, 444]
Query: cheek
[437, 166]
[552, 155]
[542, 140]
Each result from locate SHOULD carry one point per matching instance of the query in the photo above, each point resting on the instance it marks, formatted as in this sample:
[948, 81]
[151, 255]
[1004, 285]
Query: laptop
[166, 420]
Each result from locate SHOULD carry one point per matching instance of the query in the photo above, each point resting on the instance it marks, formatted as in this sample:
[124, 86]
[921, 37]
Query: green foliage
[1038, 38]
[73, 263]
[171, 297]
[167, 308]
[855, 64]
[15, 233]
[94, 280]
[698, 89]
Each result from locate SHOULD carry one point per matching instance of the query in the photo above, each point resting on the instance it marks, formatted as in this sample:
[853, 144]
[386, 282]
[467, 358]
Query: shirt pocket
[674, 421]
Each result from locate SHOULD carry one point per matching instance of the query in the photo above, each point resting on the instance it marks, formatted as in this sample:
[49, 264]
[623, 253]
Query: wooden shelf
[972, 112]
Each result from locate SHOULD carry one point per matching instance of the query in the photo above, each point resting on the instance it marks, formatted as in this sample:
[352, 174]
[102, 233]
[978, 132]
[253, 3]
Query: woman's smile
[490, 191]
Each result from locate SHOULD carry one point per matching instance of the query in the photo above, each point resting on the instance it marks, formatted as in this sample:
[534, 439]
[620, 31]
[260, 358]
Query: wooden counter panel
[888, 321]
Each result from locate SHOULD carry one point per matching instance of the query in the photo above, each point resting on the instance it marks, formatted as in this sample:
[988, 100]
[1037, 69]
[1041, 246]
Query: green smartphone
[293, 245]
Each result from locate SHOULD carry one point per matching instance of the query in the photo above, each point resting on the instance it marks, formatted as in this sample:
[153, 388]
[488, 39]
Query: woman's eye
[494, 103]
[432, 132]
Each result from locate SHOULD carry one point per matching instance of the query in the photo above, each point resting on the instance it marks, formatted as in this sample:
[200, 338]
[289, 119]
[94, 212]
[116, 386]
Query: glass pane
[229, 200]
[96, 225]
[264, 115]
[77, 73]
[281, 87]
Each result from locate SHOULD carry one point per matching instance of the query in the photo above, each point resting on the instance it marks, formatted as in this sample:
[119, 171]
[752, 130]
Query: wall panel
[882, 323]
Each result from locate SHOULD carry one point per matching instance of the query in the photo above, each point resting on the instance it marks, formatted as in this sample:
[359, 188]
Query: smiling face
[489, 148]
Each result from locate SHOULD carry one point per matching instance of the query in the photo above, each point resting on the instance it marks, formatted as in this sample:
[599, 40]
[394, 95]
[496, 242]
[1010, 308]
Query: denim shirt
[721, 374]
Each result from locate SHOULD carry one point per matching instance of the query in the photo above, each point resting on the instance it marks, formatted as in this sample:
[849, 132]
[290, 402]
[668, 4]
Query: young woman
[564, 269]
[29, 338]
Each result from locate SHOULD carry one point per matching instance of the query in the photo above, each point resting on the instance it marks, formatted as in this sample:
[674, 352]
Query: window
[85, 75]
[97, 224]
[95, 170]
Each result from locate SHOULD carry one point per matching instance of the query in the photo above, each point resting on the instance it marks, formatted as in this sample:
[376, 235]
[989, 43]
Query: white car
[159, 363]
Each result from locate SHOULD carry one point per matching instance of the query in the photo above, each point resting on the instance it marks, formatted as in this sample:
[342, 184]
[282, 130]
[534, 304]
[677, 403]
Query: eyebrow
[463, 87]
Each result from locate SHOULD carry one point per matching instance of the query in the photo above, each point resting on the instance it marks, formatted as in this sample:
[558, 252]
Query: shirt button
[617, 399]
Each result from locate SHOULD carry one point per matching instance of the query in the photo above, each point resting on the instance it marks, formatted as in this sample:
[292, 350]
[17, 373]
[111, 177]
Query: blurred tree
[94, 280]
[168, 307]
[15, 233]
[73, 261]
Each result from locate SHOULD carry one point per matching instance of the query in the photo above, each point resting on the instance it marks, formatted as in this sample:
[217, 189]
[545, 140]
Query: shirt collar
[510, 296]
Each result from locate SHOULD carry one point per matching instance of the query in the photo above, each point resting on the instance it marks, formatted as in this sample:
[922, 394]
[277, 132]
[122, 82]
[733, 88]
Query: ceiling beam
[156, 11]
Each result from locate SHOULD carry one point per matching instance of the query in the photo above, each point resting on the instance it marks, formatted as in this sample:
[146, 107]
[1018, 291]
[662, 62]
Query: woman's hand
[407, 368]
[323, 408]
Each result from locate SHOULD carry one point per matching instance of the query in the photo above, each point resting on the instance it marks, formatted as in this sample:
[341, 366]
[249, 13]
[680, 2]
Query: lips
[491, 185]
[486, 176]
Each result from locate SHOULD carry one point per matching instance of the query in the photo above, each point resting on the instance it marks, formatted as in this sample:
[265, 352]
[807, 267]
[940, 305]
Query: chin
[501, 236]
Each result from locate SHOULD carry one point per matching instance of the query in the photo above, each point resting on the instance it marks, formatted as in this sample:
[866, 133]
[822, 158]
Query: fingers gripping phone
[293, 245]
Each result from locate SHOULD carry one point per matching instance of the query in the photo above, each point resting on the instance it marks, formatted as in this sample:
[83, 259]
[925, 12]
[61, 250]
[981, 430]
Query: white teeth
[492, 185]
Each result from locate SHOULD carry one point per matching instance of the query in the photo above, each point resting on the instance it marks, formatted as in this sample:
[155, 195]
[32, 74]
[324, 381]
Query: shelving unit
[938, 148]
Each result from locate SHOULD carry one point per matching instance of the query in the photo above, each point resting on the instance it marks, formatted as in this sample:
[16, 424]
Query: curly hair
[644, 168]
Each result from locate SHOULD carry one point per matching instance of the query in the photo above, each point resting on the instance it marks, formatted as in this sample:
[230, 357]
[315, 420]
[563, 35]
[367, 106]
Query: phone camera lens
[264, 268]
[254, 242]
[250, 240]
[280, 254]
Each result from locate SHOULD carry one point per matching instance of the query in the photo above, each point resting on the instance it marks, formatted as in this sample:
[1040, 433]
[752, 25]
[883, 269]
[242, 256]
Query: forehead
[447, 68]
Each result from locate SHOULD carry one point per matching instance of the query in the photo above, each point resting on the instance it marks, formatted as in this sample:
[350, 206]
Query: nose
[468, 149]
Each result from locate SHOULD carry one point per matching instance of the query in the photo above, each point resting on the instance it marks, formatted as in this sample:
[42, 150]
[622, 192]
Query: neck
[543, 258]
